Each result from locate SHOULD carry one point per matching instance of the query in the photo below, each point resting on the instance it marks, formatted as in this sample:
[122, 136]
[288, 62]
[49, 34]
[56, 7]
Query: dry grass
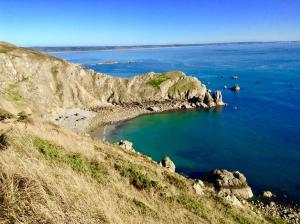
[49, 174]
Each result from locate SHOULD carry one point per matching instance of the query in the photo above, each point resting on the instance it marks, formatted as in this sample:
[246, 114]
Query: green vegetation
[5, 114]
[144, 209]
[6, 48]
[24, 117]
[136, 178]
[193, 205]
[98, 171]
[159, 79]
[78, 163]
[240, 218]
[15, 97]
[176, 181]
[11, 86]
[182, 86]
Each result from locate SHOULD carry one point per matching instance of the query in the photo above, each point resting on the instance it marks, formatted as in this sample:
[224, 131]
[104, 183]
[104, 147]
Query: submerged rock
[127, 145]
[235, 77]
[229, 183]
[168, 163]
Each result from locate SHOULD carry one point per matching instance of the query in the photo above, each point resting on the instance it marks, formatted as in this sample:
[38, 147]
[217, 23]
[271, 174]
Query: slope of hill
[51, 174]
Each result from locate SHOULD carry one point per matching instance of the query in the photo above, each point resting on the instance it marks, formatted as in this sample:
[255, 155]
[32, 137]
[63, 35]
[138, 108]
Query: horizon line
[171, 44]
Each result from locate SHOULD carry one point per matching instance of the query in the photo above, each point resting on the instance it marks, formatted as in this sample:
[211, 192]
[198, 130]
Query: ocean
[258, 133]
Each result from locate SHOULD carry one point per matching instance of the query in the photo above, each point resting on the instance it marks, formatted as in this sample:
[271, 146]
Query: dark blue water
[261, 138]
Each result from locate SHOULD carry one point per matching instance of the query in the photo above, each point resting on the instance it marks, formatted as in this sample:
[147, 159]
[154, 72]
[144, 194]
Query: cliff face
[44, 83]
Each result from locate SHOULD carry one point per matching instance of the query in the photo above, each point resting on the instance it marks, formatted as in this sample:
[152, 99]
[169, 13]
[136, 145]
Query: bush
[76, 162]
[3, 141]
[50, 151]
[24, 117]
[5, 114]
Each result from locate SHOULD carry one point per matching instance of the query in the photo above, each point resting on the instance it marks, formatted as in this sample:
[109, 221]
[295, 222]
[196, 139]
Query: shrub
[5, 114]
[24, 117]
[3, 141]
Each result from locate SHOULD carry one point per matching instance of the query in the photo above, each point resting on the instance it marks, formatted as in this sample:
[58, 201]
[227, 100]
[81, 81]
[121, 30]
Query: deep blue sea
[261, 138]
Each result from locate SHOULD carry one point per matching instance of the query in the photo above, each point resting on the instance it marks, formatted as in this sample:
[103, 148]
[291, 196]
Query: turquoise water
[261, 138]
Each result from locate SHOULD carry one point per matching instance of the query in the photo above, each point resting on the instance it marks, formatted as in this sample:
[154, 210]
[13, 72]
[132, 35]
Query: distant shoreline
[66, 49]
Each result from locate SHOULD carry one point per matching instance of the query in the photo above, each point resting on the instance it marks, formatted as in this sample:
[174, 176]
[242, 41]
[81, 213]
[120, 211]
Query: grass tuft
[159, 79]
[136, 178]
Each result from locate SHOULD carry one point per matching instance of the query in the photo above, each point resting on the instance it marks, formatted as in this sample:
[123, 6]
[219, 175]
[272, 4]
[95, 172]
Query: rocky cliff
[44, 84]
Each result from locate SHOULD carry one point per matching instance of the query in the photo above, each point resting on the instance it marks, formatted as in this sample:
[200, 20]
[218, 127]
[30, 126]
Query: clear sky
[132, 22]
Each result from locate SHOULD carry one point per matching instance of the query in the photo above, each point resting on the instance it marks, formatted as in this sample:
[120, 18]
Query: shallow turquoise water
[261, 138]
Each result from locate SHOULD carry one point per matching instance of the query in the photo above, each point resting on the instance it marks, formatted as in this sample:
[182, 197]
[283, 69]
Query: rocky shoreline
[233, 188]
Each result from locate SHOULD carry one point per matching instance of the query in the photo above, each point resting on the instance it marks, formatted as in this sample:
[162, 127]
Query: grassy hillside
[49, 174]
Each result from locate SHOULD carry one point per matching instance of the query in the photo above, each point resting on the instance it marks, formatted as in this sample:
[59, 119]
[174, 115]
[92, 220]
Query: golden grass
[41, 183]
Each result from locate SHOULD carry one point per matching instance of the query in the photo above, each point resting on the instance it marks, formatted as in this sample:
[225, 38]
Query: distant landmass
[103, 48]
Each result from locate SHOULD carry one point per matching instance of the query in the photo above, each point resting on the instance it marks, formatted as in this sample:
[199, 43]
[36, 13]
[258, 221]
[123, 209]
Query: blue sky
[132, 22]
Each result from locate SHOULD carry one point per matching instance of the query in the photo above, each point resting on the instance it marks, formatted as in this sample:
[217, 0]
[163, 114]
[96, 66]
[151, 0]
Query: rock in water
[126, 145]
[229, 183]
[267, 194]
[209, 100]
[168, 163]
[217, 96]
[236, 88]
[235, 77]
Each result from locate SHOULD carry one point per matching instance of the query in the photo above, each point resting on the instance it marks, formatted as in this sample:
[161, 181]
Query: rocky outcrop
[229, 183]
[127, 145]
[217, 96]
[198, 187]
[209, 100]
[47, 84]
[168, 164]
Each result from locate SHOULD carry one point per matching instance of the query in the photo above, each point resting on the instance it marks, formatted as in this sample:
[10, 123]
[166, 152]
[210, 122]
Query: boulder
[124, 144]
[235, 88]
[229, 183]
[153, 109]
[198, 187]
[267, 194]
[217, 96]
[168, 163]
